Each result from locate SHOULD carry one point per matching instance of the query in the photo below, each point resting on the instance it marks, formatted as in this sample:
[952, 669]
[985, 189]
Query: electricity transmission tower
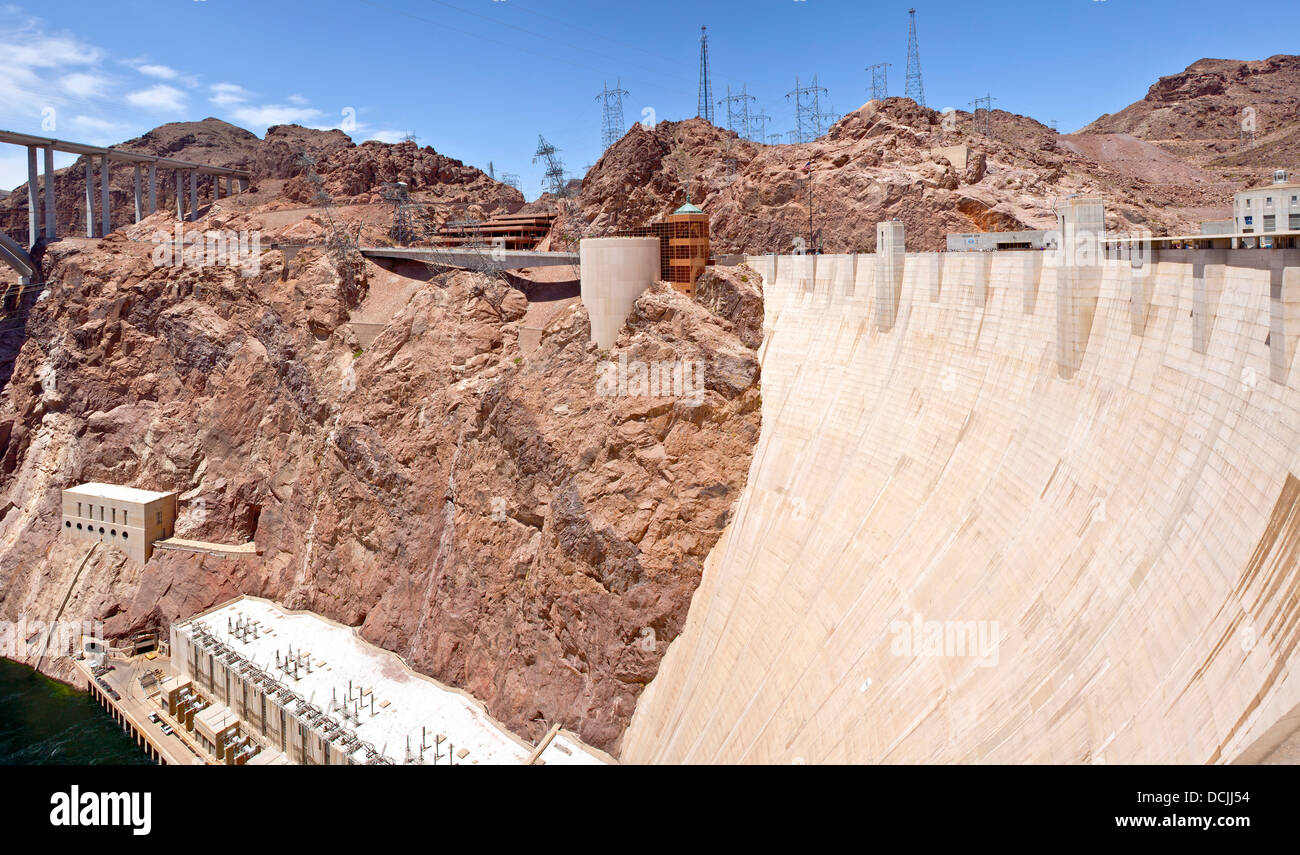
[773, 139]
[915, 89]
[758, 126]
[705, 109]
[511, 179]
[879, 81]
[612, 106]
[808, 115]
[547, 153]
[983, 115]
[741, 112]
[396, 193]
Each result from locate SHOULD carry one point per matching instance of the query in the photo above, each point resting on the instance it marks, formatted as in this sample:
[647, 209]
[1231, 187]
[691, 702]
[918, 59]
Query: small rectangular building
[994, 241]
[126, 517]
[1271, 212]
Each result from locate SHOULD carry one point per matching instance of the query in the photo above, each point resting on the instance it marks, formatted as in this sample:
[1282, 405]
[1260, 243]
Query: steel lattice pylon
[741, 112]
[915, 88]
[705, 109]
[612, 114]
[879, 81]
[808, 115]
[547, 153]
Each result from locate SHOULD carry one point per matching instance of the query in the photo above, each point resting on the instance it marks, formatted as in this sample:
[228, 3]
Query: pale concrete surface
[614, 272]
[1129, 528]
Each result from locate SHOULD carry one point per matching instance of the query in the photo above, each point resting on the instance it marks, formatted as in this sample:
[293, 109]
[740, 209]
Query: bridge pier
[180, 194]
[153, 188]
[33, 199]
[103, 196]
[90, 196]
[228, 184]
[216, 188]
[138, 200]
[50, 228]
[194, 195]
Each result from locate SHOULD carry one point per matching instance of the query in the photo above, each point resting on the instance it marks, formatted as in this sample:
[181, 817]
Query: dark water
[42, 721]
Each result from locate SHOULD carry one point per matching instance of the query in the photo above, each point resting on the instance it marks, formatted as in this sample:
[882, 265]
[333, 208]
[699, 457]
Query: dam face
[1016, 514]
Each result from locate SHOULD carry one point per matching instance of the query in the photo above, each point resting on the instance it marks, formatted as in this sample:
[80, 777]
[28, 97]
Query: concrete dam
[1003, 512]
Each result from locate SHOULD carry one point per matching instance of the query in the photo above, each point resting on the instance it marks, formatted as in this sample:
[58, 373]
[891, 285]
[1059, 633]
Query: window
[101, 529]
[113, 532]
[124, 522]
[124, 535]
[68, 524]
[1270, 223]
[160, 518]
[78, 508]
[78, 526]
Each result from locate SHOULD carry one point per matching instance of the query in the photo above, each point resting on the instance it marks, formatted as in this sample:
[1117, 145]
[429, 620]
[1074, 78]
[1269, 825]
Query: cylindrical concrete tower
[615, 270]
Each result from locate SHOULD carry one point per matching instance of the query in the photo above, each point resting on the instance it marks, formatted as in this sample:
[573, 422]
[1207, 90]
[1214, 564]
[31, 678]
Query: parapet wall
[1092, 468]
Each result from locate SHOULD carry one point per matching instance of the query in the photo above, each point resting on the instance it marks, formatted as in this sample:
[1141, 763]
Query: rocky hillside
[483, 511]
[887, 160]
[352, 173]
[1198, 115]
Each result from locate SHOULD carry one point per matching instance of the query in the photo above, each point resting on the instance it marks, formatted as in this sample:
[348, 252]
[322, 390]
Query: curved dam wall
[1004, 512]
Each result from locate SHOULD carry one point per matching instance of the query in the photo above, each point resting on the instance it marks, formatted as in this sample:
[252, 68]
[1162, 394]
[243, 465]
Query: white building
[125, 517]
[1268, 211]
[314, 692]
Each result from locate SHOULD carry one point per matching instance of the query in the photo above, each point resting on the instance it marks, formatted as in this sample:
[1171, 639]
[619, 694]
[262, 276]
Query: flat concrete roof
[116, 492]
[404, 701]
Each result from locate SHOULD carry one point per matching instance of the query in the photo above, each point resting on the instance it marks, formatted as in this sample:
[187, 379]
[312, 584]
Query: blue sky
[480, 79]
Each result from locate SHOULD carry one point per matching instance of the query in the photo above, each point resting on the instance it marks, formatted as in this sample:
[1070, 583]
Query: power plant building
[126, 517]
[257, 681]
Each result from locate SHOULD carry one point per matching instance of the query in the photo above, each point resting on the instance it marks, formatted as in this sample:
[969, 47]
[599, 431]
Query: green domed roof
[688, 208]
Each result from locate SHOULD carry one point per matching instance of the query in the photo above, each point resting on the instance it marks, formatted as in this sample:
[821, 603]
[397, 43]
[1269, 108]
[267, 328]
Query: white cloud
[224, 94]
[265, 115]
[96, 124]
[160, 97]
[299, 100]
[83, 85]
[388, 136]
[32, 62]
[162, 72]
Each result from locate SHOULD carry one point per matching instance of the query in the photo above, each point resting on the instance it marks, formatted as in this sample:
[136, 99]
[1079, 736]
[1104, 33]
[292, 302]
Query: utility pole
[705, 109]
[915, 88]
[612, 118]
[879, 81]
